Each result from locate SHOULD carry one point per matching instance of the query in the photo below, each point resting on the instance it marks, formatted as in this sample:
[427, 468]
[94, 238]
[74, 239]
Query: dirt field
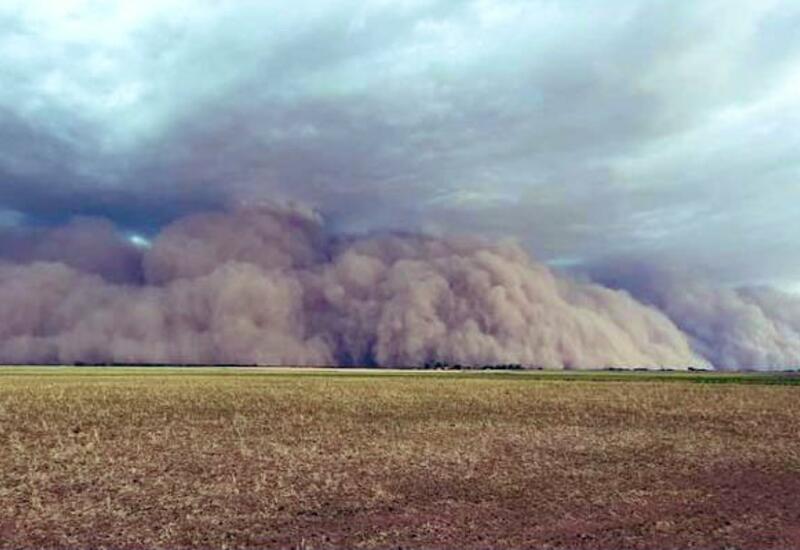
[129, 458]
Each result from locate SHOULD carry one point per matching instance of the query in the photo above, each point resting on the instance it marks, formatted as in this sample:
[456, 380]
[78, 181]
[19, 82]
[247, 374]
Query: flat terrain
[233, 458]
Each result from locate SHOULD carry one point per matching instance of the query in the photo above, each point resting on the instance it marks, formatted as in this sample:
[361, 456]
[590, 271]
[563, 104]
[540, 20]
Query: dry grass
[133, 459]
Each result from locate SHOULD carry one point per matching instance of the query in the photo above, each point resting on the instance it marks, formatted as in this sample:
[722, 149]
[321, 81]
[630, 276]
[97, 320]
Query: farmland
[278, 458]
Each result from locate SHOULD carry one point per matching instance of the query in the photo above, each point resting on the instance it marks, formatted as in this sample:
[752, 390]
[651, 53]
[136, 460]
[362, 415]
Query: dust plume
[745, 328]
[272, 285]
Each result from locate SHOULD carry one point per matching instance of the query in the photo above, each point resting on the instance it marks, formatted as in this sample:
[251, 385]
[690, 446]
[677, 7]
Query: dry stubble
[145, 460]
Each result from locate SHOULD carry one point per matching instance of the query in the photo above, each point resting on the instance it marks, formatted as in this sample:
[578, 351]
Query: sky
[585, 131]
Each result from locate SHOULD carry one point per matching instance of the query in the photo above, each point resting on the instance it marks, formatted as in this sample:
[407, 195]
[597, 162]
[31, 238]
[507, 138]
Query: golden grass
[158, 459]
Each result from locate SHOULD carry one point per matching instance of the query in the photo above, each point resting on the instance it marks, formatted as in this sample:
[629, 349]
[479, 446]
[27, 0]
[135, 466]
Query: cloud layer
[583, 131]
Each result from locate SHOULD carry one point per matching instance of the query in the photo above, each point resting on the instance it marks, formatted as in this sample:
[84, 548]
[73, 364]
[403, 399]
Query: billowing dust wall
[270, 285]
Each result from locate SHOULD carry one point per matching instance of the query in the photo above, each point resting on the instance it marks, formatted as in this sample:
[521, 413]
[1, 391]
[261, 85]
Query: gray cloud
[509, 118]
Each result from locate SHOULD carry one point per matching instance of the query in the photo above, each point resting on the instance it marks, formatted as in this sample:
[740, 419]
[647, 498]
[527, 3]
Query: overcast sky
[668, 130]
